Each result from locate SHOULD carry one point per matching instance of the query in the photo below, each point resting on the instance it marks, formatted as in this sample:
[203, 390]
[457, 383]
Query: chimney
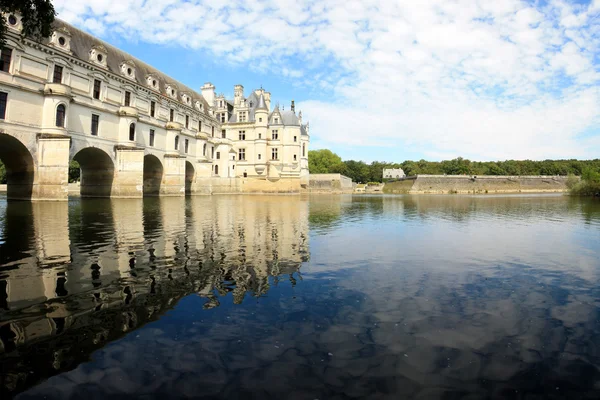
[293, 107]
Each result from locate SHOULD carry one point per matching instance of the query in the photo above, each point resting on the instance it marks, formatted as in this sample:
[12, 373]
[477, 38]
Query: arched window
[60, 115]
[216, 170]
[176, 142]
[132, 132]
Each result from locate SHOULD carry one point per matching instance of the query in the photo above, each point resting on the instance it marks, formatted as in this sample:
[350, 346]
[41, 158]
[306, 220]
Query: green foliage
[37, 17]
[74, 171]
[589, 184]
[324, 162]
[362, 172]
[2, 173]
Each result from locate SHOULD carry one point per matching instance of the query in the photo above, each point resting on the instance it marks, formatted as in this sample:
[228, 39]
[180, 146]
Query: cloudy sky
[386, 80]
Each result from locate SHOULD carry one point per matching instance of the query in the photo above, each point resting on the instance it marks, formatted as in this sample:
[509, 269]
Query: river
[298, 297]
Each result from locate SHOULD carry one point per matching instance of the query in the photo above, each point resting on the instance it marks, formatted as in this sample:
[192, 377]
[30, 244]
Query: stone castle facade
[134, 130]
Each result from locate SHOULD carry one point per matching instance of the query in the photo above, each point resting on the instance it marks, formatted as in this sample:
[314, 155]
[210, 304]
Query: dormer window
[61, 39]
[14, 22]
[98, 55]
[171, 91]
[152, 81]
[128, 69]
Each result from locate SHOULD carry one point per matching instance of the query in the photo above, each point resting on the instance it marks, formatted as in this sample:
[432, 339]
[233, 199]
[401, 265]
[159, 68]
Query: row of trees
[325, 161]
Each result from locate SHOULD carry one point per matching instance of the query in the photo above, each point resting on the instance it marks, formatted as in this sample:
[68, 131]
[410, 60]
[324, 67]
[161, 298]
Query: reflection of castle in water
[93, 270]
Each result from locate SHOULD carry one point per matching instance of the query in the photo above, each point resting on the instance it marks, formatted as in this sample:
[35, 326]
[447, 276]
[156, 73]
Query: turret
[208, 92]
[238, 95]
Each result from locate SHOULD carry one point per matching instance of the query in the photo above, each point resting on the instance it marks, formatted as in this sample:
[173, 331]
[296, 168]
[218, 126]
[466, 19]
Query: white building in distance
[393, 173]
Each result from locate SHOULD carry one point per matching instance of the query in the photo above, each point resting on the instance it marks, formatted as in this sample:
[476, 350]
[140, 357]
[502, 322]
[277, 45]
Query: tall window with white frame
[58, 74]
[199, 126]
[132, 132]
[127, 99]
[151, 138]
[242, 155]
[242, 135]
[187, 122]
[275, 134]
[97, 87]
[152, 108]
[187, 146]
[204, 150]
[218, 155]
[303, 149]
[274, 154]
[61, 112]
[95, 124]
[171, 115]
[223, 134]
[3, 101]
[5, 57]
[176, 142]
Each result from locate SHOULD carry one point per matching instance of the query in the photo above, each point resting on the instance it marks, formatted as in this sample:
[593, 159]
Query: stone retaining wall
[488, 184]
[330, 183]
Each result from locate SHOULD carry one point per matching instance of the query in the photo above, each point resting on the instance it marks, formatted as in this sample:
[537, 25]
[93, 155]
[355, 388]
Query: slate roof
[82, 42]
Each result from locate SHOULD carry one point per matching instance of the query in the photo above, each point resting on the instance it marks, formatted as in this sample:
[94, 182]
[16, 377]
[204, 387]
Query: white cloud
[483, 79]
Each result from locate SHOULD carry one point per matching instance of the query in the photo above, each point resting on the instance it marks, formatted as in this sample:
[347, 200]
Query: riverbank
[465, 184]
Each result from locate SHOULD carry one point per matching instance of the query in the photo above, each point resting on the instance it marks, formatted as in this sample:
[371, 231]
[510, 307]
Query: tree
[324, 162]
[2, 173]
[37, 17]
[74, 171]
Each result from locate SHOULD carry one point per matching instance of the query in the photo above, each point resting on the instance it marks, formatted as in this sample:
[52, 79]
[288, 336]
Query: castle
[134, 130]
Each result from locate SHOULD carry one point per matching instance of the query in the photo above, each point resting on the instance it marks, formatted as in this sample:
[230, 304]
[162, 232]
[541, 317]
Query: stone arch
[20, 168]
[153, 175]
[97, 172]
[190, 174]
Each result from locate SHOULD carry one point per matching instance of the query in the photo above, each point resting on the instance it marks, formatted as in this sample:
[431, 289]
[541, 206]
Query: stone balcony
[57, 89]
[174, 126]
[126, 111]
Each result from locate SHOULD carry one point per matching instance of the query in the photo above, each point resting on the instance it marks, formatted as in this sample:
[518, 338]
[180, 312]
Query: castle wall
[329, 183]
[487, 184]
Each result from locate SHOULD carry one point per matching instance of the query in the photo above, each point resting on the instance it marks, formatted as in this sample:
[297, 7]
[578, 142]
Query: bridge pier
[174, 176]
[129, 173]
[51, 177]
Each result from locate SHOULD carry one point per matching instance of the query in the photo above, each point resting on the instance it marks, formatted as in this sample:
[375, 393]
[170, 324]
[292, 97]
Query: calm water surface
[250, 297]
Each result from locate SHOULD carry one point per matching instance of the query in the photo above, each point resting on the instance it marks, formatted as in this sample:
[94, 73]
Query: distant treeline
[325, 161]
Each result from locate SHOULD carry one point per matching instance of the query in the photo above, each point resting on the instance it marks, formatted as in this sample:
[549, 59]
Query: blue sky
[386, 80]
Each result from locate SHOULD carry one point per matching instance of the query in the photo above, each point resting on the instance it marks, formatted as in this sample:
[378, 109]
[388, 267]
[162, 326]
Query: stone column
[51, 177]
[129, 172]
[173, 183]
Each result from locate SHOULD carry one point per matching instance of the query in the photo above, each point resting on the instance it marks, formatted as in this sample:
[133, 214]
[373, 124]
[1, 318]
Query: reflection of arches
[189, 177]
[153, 174]
[97, 172]
[19, 167]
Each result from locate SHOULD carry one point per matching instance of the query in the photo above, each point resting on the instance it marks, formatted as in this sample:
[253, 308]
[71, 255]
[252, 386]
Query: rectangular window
[171, 115]
[295, 139]
[218, 155]
[3, 99]
[260, 120]
[274, 154]
[275, 134]
[223, 118]
[199, 126]
[242, 135]
[212, 152]
[242, 155]
[127, 99]
[97, 85]
[213, 131]
[152, 108]
[223, 134]
[260, 135]
[276, 120]
[5, 59]
[95, 123]
[151, 138]
[294, 157]
[245, 174]
[187, 145]
[259, 156]
[187, 121]
[58, 71]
